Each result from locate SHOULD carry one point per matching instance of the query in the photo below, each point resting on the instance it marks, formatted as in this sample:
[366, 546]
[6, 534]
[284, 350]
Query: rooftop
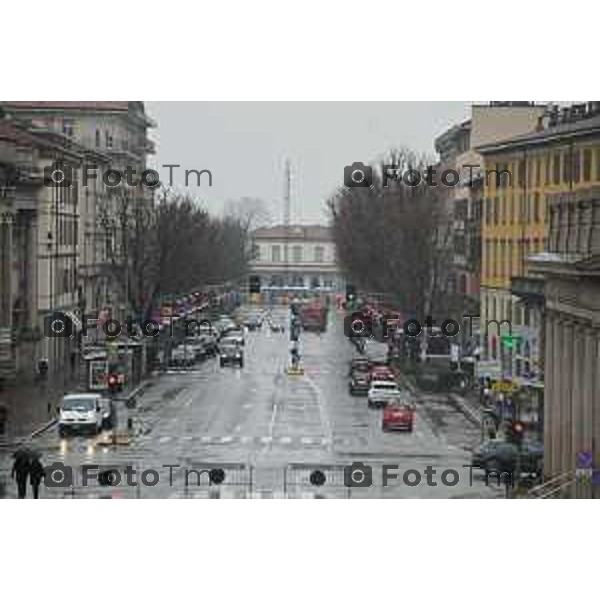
[571, 122]
[309, 233]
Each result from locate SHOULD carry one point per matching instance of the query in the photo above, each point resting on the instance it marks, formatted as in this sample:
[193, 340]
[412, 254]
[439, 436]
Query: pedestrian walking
[20, 471]
[36, 474]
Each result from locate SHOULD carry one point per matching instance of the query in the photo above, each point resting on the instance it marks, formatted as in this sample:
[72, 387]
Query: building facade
[299, 258]
[55, 253]
[570, 267]
[458, 150]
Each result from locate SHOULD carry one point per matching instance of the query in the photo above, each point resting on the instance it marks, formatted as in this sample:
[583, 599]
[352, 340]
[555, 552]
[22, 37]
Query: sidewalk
[30, 407]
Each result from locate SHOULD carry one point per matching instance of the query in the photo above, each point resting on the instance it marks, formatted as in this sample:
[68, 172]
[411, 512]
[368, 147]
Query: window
[68, 127]
[297, 254]
[567, 167]
[538, 172]
[496, 210]
[108, 139]
[97, 138]
[587, 164]
[521, 173]
[597, 151]
[255, 251]
[319, 254]
[556, 169]
[547, 178]
[275, 253]
[536, 207]
[576, 170]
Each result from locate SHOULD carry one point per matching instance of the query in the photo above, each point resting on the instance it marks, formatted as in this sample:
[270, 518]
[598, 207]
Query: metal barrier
[316, 477]
[215, 480]
[554, 487]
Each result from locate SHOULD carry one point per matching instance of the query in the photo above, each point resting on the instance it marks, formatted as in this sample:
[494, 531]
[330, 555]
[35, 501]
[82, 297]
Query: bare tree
[392, 237]
[249, 212]
[170, 246]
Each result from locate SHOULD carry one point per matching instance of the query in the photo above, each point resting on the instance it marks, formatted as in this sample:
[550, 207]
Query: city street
[268, 431]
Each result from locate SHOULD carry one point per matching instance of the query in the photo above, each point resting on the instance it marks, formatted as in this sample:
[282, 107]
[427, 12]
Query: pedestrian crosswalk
[284, 440]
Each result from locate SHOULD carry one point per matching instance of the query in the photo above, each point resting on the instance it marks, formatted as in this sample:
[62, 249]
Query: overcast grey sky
[244, 145]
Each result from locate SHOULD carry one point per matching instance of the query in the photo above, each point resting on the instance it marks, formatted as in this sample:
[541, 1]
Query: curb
[43, 428]
[139, 390]
[469, 411]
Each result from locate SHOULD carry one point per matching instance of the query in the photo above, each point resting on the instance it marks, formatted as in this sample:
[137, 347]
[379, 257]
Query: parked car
[381, 373]
[362, 365]
[80, 413]
[359, 382]
[252, 322]
[183, 356]
[501, 455]
[230, 352]
[382, 393]
[399, 415]
[236, 335]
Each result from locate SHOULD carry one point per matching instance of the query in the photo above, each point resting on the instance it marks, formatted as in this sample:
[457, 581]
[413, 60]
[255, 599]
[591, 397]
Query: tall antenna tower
[287, 201]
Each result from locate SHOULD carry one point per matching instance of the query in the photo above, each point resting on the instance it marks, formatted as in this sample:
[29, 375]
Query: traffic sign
[504, 387]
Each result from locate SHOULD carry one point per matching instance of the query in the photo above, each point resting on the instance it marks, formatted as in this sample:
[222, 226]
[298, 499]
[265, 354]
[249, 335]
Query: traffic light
[517, 430]
[509, 341]
[112, 382]
[254, 284]
[350, 292]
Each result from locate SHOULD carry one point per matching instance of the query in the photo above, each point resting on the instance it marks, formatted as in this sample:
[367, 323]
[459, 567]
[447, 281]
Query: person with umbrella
[36, 474]
[20, 470]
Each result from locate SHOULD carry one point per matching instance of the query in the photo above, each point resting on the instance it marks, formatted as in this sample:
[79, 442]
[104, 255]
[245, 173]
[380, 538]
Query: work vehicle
[80, 413]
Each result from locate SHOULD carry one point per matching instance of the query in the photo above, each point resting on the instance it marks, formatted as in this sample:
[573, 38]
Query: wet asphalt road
[268, 432]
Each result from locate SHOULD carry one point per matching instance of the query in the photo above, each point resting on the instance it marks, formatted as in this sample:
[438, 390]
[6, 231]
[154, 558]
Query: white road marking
[247, 406]
[187, 438]
[286, 440]
[226, 439]
[238, 428]
[322, 411]
[205, 439]
[266, 439]
[306, 440]
[273, 417]
[245, 439]
[165, 439]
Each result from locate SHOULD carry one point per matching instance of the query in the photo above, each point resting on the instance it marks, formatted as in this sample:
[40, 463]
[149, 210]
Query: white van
[80, 413]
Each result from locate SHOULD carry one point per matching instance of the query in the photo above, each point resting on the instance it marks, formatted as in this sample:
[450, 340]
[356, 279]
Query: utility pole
[286, 220]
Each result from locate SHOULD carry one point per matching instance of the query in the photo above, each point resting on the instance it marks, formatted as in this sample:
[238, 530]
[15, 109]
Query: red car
[382, 373]
[398, 416]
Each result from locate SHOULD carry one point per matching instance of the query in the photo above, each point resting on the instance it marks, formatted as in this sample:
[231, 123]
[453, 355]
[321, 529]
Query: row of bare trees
[169, 245]
[395, 239]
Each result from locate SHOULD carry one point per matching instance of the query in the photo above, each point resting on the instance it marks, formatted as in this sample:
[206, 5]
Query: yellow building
[563, 155]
